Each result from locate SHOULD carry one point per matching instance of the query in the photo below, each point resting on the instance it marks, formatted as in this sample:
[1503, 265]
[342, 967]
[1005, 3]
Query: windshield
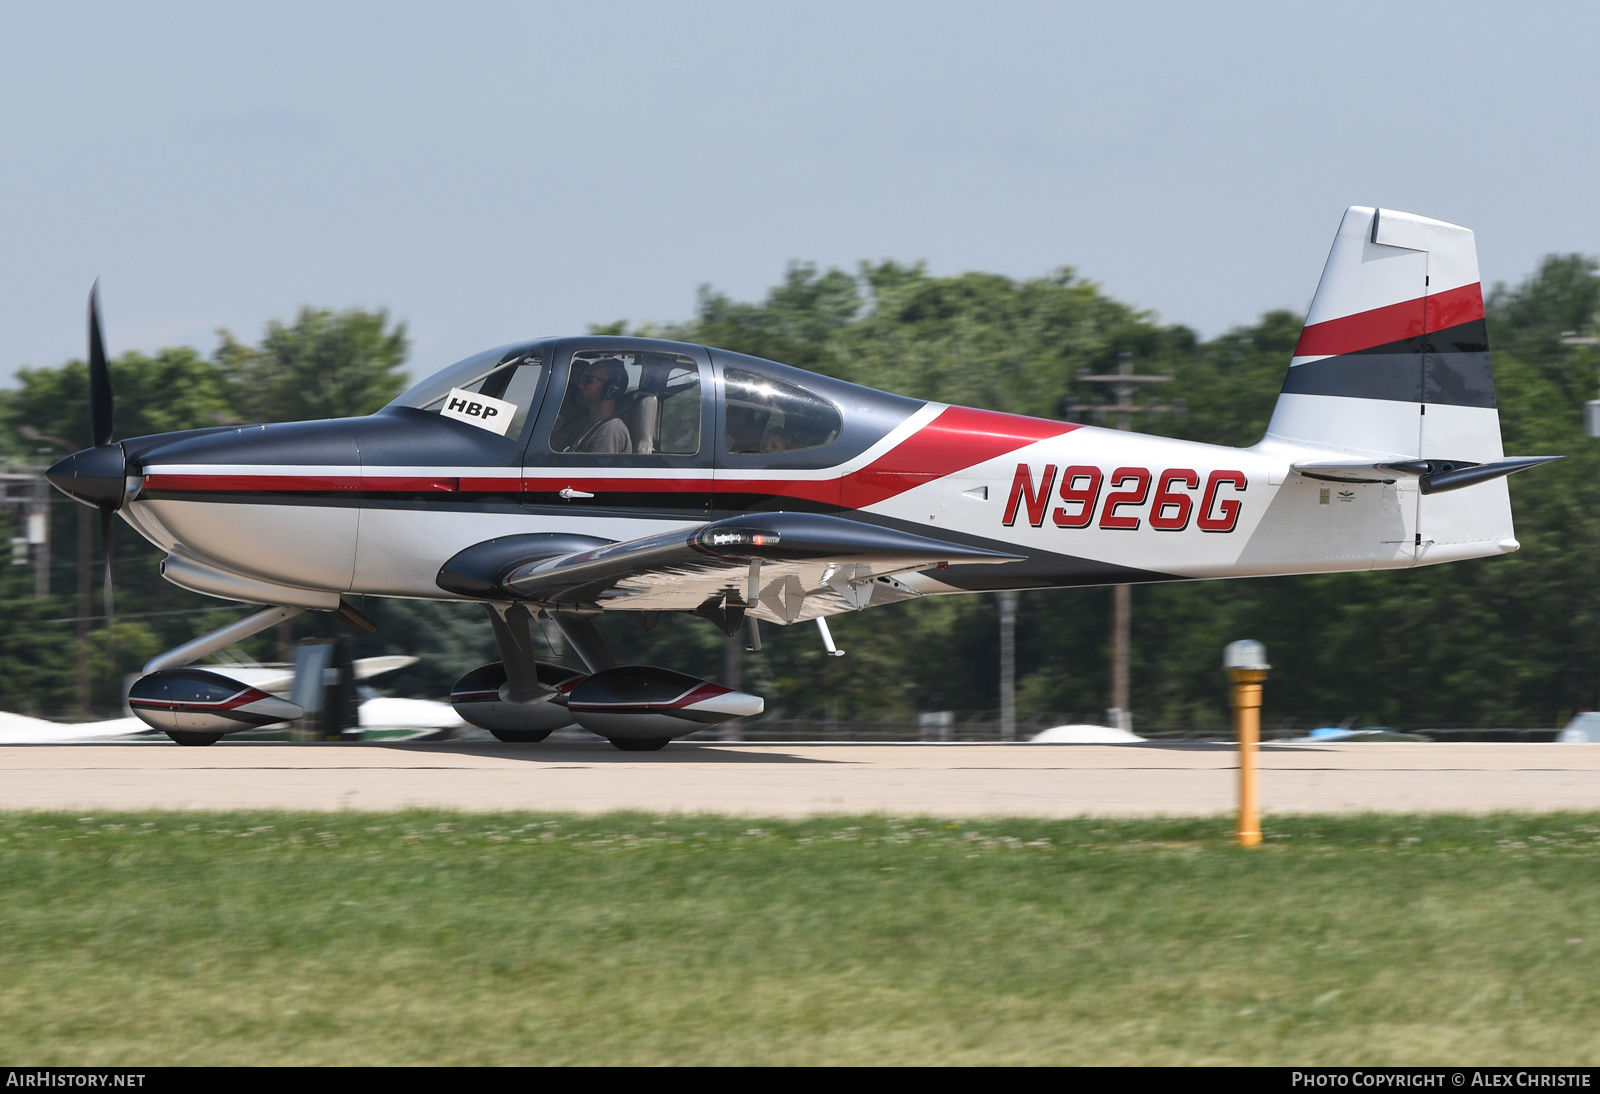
[463, 374]
[510, 373]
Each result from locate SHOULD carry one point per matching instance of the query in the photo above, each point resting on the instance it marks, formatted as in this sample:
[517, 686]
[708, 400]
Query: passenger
[597, 386]
[807, 427]
[747, 425]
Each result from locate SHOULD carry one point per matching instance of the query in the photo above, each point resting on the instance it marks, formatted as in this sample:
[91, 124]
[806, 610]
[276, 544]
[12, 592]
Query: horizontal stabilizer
[1434, 476]
[1455, 479]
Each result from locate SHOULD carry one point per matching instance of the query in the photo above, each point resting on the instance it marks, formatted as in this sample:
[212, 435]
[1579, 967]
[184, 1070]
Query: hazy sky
[490, 172]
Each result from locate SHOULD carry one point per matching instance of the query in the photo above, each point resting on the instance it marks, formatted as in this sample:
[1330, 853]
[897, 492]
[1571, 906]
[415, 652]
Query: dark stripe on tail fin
[1449, 366]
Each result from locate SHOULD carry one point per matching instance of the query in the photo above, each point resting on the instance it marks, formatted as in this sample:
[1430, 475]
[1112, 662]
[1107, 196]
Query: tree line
[1505, 641]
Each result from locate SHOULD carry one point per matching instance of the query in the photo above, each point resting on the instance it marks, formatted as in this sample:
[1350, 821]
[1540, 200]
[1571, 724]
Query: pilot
[598, 385]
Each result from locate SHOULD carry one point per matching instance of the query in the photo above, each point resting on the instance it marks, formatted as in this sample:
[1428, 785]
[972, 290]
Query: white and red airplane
[572, 476]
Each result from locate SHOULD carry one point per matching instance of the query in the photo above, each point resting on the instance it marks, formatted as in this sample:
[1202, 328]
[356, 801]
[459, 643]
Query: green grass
[168, 938]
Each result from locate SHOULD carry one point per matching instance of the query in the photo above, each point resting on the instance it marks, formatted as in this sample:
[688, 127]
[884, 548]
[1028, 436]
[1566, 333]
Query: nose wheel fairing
[197, 701]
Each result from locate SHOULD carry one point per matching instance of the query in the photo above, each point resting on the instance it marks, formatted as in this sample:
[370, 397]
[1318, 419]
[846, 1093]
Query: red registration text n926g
[1136, 497]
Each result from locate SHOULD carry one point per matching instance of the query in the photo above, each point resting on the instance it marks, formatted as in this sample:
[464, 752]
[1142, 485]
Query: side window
[643, 403]
[767, 415]
[510, 376]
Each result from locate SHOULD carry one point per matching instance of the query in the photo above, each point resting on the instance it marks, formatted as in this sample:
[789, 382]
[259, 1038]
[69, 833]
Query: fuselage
[376, 505]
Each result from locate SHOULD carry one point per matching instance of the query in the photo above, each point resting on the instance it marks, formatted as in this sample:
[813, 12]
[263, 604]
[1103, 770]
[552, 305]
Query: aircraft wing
[781, 567]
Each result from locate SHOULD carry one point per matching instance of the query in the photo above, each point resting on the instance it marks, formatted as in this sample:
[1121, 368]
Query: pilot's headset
[616, 375]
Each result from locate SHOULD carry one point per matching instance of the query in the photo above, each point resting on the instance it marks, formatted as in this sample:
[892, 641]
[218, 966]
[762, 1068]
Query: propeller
[100, 416]
[99, 375]
[108, 540]
[97, 475]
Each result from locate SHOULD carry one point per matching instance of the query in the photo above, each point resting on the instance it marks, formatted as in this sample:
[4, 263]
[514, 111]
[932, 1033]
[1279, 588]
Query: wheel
[636, 744]
[521, 736]
[190, 738]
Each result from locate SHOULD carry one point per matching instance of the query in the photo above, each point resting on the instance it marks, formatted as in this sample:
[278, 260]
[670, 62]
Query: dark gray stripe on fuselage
[1040, 570]
[1449, 367]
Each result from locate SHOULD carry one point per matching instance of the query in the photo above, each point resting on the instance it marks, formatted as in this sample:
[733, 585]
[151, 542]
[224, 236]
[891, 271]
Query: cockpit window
[767, 415]
[510, 373]
[636, 402]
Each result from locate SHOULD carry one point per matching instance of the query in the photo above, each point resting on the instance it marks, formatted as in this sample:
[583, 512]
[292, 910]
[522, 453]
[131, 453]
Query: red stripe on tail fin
[1395, 323]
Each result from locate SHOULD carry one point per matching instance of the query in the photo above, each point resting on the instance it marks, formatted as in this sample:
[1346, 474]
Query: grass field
[168, 938]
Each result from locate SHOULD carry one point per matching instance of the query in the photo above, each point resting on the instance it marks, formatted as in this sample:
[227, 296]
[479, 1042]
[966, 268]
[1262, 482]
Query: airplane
[553, 480]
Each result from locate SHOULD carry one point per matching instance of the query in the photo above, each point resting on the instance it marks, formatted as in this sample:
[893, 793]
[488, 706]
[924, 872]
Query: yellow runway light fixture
[1245, 662]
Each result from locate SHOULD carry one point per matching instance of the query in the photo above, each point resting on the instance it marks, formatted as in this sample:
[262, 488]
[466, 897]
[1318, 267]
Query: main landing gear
[638, 708]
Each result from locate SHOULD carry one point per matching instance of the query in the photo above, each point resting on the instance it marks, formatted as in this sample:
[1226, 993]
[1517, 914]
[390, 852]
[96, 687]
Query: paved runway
[950, 780]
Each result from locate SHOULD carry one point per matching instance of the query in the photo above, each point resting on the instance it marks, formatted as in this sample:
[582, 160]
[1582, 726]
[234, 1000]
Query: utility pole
[39, 535]
[1591, 409]
[1007, 601]
[732, 676]
[1124, 384]
[24, 488]
[85, 577]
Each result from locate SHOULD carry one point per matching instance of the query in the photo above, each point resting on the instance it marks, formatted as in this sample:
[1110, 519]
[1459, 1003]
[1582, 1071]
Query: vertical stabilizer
[1394, 362]
[1394, 357]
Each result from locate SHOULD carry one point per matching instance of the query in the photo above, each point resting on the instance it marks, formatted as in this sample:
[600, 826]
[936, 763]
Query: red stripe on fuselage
[547, 485]
[1394, 323]
[958, 438]
[253, 484]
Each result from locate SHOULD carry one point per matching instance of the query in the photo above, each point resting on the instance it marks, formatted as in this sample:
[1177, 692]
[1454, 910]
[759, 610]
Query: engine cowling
[642, 702]
[200, 701]
[479, 697]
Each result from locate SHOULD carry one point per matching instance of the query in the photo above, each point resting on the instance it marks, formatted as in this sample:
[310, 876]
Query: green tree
[174, 389]
[792, 325]
[326, 365]
[984, 340]
[1527, 322]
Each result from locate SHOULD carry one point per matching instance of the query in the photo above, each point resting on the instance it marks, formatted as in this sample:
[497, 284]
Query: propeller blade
[108, 541]
[99, 375]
